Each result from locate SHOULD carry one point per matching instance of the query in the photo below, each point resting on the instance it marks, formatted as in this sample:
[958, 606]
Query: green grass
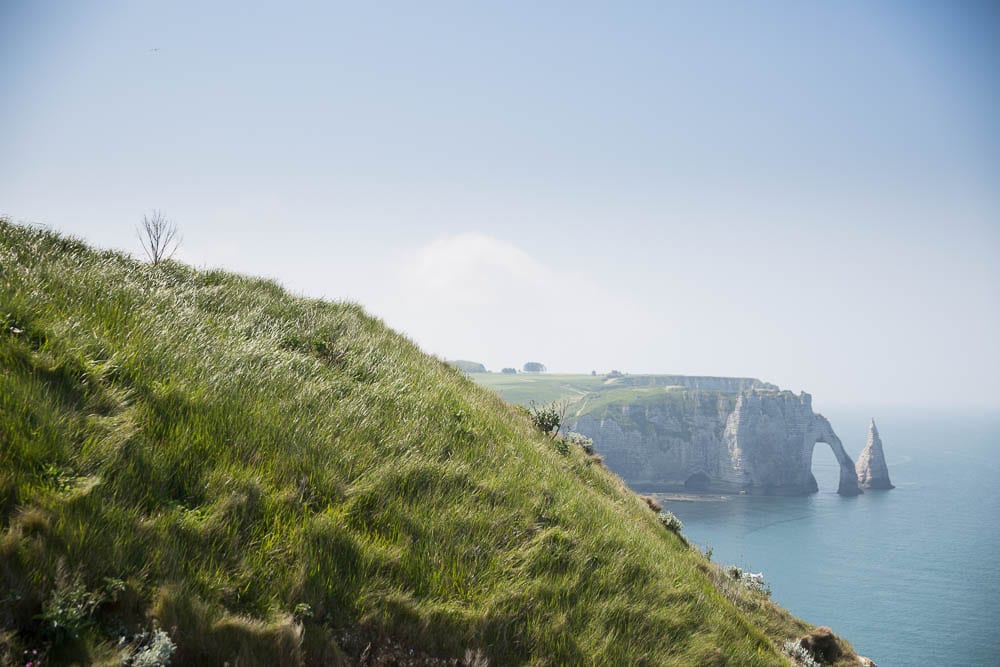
[279, 480]
[542, 388]
[595, 394]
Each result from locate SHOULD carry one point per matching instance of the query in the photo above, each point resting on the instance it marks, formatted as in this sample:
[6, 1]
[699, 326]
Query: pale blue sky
[808, 193]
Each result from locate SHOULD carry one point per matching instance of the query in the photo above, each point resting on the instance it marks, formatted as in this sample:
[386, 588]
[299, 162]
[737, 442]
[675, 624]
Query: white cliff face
[664, 443]
[872, 471]
[758, 441]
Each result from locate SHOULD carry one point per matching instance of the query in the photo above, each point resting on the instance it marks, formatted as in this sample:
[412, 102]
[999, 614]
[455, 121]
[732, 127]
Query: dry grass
[652, 504]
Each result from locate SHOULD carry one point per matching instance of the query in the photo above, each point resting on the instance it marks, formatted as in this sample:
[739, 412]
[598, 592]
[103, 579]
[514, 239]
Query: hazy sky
[804, 192]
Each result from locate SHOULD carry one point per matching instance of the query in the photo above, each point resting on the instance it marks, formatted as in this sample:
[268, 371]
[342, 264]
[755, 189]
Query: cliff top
[547, 387]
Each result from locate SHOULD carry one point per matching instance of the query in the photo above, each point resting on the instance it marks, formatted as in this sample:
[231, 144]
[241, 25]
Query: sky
[807, 193]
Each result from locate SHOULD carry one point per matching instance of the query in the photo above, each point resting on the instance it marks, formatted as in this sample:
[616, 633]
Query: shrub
[751, 581]
[509, 371]
[670, 521]
[548, 419]
[156, 651]
[68, 611]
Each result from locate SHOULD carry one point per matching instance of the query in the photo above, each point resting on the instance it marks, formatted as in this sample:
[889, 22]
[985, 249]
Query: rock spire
[872, 471]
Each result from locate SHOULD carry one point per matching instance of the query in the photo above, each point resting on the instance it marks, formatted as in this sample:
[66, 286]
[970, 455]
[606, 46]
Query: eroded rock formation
[759, 441]
[873, 473]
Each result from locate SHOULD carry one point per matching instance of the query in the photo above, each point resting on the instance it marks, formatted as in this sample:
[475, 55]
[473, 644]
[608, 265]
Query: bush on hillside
[548, 418]
[751, 581]
[670, 521]
[69, 610]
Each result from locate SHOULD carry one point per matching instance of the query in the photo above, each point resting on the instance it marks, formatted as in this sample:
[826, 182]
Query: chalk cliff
[873, 473]
[758, 440]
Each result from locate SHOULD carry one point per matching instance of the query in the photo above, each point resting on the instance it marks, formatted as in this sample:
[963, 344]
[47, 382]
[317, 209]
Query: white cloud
[482, 298]
[478, 271]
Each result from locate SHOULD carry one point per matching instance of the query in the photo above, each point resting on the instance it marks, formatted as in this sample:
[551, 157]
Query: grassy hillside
[275, 480]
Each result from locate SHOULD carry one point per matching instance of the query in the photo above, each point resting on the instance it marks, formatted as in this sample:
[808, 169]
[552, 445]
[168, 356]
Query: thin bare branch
[159, 237]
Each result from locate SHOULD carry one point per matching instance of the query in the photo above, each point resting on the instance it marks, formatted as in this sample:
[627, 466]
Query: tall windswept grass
[278, 480]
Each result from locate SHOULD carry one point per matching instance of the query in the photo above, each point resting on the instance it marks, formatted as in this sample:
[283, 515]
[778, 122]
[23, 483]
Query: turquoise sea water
[909, 576]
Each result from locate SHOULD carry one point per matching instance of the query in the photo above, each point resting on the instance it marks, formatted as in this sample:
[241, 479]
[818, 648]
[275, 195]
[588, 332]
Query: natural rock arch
[759, 442]
[822, 432]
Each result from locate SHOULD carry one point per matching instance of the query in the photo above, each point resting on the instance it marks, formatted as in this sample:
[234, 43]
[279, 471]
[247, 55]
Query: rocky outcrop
[757, 441]
[822, 645]
[872, 471]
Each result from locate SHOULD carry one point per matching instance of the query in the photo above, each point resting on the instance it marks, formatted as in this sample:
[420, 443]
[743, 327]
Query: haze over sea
[909, 576]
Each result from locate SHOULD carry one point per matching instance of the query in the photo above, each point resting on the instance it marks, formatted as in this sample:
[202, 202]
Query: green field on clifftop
[276, 480]
[540, 387]
[589, 394]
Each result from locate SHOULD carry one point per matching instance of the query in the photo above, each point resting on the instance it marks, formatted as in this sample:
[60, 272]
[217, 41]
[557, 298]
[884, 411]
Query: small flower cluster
[157, 650]
[753, 581]
[794, 650]
[32, 659]
[670, 521]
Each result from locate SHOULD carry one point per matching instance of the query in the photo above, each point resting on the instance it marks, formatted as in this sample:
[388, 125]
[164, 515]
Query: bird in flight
[156, 50]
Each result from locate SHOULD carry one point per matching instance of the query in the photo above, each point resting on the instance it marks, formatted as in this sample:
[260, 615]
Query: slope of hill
[276, 480]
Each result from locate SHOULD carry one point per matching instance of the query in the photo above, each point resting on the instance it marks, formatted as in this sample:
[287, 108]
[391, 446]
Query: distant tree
[592, 373]
[159, 237]
[509, 371]
[534, 367]
[615, 374]
[468, 366]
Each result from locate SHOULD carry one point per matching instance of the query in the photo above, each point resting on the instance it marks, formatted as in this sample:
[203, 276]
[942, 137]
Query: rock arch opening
[825, 469]
[847, 484]
[697, 483]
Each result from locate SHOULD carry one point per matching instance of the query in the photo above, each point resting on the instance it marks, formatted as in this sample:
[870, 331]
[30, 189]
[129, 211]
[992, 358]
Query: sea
[910, 576]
